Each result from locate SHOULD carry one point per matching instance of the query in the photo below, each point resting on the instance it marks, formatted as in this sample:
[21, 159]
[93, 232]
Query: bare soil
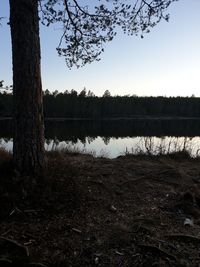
[128, 211]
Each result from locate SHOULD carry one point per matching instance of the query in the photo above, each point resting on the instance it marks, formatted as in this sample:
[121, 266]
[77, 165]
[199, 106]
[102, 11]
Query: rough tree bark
[28, 143]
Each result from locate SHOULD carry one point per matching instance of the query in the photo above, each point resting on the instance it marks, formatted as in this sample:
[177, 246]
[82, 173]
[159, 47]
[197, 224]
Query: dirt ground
[128, 211]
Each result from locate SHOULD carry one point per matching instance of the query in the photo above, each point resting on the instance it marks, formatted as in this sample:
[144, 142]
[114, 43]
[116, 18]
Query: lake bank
[128, 211]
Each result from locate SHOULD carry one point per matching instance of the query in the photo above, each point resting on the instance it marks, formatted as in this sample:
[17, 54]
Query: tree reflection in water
[114, 137]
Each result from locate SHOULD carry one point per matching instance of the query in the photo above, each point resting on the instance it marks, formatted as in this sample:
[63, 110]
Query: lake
[111, 138]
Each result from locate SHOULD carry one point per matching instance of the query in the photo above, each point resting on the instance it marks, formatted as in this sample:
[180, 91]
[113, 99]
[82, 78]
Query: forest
[86, 105]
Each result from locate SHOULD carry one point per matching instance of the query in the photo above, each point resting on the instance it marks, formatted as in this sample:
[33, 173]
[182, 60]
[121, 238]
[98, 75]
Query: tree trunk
[28, 142]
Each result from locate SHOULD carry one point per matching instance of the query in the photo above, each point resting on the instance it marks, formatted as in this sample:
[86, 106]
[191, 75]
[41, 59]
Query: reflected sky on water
[112, 138]
[114, 147]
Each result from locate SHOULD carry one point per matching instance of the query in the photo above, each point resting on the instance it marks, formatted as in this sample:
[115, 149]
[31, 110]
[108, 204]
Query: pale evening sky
[165, 62]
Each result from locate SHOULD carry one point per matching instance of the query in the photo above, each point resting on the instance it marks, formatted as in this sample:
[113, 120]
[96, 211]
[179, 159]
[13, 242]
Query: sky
[166, 62]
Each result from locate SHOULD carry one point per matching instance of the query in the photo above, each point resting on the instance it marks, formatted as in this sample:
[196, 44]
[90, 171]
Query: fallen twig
[119, 253]
[76, 230]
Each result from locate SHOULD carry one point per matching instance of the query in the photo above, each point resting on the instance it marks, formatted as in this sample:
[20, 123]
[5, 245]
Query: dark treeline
[87, 105]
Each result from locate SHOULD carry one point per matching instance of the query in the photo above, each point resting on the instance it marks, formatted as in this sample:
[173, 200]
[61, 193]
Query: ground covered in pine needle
[128, 211]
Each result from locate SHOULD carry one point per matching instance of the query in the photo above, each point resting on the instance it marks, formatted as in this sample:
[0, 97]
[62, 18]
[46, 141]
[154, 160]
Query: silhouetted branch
[87, 28]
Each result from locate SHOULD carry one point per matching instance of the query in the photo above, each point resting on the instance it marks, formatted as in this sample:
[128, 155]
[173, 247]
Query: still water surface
[112, 138]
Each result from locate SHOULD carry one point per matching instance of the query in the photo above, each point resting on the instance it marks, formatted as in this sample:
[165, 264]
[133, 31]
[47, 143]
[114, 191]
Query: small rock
[188, 222]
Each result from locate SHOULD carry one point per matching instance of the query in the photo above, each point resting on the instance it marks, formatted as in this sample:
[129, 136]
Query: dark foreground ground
[129, 211]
